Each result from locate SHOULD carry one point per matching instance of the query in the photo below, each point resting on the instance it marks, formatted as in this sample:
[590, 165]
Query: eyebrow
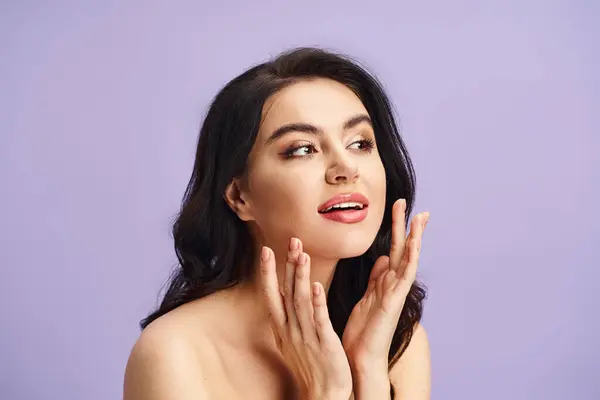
[313, 130]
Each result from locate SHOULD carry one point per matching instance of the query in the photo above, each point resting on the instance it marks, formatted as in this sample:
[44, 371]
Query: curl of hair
[214, 246]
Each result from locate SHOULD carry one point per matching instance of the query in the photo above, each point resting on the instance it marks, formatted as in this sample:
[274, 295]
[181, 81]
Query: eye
[305, 150]
[365, 145]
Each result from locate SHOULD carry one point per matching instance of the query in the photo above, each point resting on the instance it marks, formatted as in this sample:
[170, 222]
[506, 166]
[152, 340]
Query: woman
[296, 277]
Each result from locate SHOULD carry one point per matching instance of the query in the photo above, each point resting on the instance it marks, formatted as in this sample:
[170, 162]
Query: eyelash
[368, 145]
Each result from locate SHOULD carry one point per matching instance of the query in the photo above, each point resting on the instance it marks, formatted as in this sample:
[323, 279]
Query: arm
[410, 376]
[163, 368]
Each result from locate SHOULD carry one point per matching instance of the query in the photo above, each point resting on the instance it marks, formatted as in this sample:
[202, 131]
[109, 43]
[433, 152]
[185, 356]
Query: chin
[352, 243]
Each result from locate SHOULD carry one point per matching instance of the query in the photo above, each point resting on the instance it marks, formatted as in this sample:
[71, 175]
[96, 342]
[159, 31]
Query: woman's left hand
[372, 323]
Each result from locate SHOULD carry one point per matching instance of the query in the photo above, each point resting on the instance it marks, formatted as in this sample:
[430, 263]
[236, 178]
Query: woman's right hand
[302, 328]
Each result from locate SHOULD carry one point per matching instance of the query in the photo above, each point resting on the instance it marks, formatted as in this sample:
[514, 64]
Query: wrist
[328, 394]
[380, 382]
[369, 369]
[371, 383]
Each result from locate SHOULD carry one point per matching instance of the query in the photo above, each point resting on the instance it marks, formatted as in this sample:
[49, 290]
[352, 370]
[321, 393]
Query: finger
[410, 273]
[412, 236]
[389, 281]
[379, 286]
[303, 299]
[381, 265]
[398, 233]
[389, 302]
[270, 287]
[290, 273]
[325, 333]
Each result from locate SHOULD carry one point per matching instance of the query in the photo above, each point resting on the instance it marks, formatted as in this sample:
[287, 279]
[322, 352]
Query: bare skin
[224, 345]
[194, 353]
[227, 357]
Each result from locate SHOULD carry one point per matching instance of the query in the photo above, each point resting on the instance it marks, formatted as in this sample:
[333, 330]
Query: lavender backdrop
[100, 104]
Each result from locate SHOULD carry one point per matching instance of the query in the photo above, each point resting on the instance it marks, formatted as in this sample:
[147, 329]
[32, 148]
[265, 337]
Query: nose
[342, 170]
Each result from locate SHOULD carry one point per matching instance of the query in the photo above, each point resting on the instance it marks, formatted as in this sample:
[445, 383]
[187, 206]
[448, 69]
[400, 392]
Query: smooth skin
[226, 345]
[302, 328]
[304, 333]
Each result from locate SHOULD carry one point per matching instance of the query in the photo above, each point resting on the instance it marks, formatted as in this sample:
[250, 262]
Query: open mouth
[347, 206]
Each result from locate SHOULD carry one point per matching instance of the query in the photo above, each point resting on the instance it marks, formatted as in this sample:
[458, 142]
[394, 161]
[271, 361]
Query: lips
[352, 200]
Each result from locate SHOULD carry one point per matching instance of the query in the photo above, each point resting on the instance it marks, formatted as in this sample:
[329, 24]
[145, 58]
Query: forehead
[321, 102]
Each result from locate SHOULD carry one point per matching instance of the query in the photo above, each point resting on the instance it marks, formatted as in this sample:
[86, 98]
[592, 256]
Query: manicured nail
[264, 255]
[302, 259]
[316, 289]
[293, 244]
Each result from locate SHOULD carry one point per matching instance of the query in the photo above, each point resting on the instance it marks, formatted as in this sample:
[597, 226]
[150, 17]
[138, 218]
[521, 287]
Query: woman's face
[315, 142]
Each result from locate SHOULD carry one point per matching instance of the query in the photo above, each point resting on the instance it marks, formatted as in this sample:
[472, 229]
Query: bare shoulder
[411, 375]
[168, 361]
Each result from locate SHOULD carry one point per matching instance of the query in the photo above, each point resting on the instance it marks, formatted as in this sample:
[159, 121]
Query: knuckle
[298, 303]
[291, 256]
[309, 344]
[319, 324]
[264, 267]
[314, 347]
[322, 321]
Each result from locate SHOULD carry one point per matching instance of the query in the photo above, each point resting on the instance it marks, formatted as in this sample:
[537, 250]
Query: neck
[250, 295]
[321, 270]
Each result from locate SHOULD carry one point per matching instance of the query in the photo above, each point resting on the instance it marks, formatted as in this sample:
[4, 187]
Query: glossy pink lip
[344, 198]
[346, 216]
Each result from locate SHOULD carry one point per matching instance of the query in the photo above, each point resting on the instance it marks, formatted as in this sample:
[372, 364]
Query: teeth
[344, 205]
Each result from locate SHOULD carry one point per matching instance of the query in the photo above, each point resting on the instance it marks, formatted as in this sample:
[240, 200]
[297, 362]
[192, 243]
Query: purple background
[100, 105]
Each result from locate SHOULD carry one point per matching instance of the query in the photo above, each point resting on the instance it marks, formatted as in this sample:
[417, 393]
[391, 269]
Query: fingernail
[293, 244]
[264, 255]
[302, 259]
[403, 203]
[316, 289]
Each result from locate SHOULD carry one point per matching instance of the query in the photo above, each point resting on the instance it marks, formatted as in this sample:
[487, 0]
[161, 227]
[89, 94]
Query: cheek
[374, 176]
[279, 197]
[376, 180]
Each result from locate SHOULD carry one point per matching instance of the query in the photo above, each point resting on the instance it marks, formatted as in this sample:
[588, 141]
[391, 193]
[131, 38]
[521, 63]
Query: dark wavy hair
[214, 247]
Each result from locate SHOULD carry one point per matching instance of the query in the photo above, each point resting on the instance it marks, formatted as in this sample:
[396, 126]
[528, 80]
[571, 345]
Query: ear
[237, 199]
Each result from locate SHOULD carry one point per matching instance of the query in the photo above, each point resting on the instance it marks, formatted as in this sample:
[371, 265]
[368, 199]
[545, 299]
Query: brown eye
[305, 150]
[364, 145]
